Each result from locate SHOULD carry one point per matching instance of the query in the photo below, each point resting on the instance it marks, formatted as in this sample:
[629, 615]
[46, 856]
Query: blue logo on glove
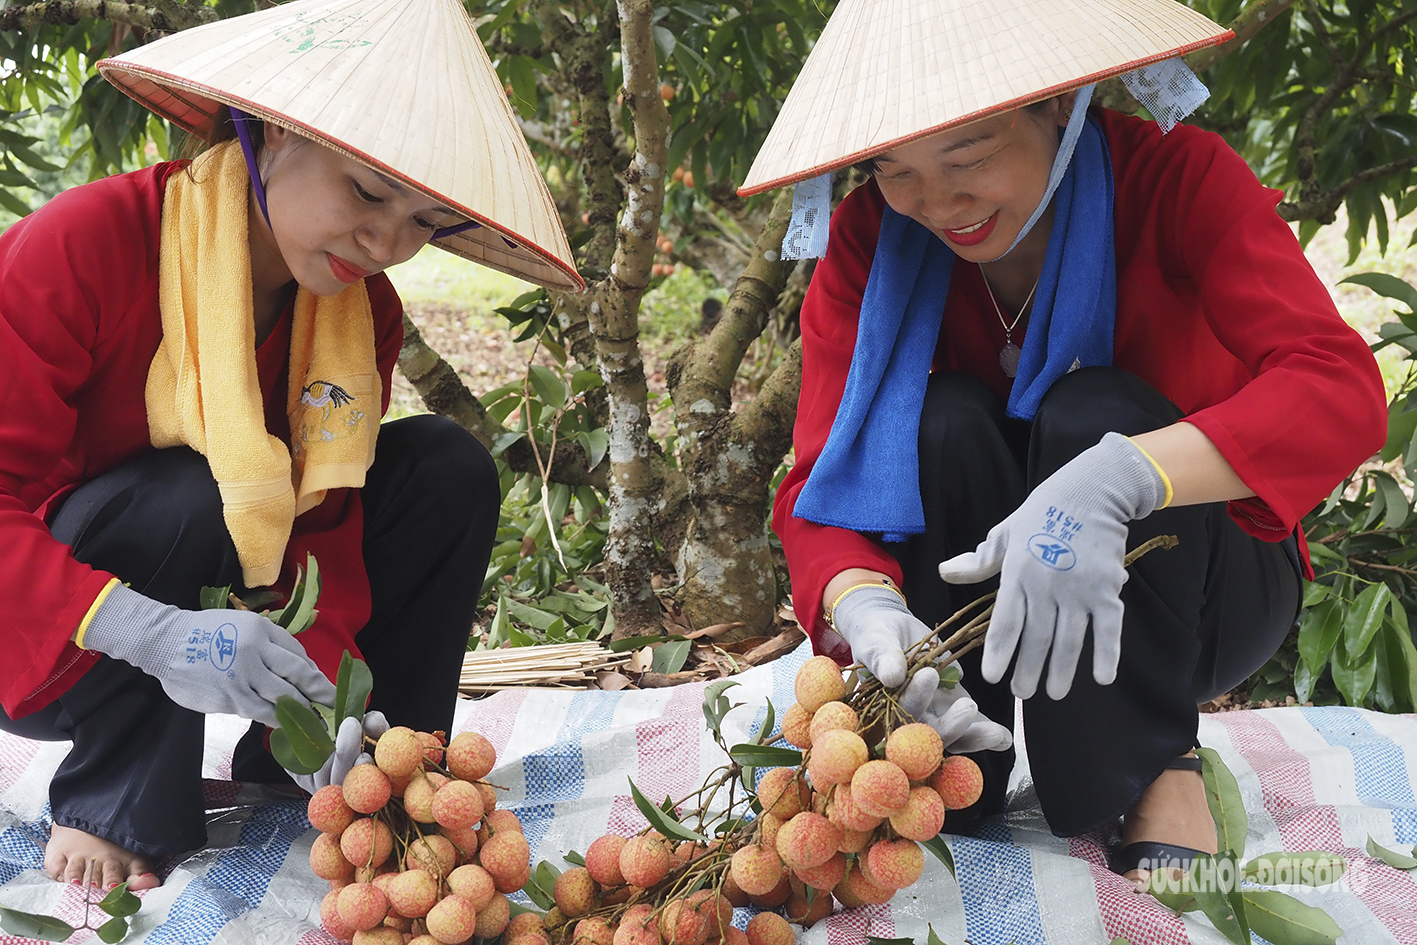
[1053, 552]
[223, 646]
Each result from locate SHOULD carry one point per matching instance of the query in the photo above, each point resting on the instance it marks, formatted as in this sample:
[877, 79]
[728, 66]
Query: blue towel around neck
[868, 475]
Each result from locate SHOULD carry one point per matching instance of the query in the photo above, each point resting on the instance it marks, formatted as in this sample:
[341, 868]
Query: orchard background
[642, 426]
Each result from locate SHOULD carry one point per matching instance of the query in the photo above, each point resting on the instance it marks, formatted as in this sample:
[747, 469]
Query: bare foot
[1172, 810]
[73, 856]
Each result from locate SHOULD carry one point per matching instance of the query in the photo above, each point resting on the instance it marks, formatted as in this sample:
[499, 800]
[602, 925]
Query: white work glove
[1060, 560]
[231, 661]
[349, 752]
[878, 626]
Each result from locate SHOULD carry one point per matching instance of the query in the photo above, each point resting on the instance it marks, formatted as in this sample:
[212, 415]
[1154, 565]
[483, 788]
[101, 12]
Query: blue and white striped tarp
[1323, 778]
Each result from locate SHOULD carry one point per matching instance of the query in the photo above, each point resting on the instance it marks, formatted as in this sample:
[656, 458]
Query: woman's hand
[349, 752]
[208, 661]
[1060, 560]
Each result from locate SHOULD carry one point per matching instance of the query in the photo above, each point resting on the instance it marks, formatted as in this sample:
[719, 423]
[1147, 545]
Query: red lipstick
[344, 270]
[973, 237]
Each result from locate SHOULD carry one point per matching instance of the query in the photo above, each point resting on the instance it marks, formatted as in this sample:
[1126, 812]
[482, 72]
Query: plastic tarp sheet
[1313, 778]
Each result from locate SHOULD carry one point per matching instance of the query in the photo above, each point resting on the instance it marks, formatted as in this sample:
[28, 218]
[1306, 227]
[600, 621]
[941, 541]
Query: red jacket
[79, 325]
[1217, 308]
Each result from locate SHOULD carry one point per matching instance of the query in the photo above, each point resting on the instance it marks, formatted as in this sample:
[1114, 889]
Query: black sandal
[1156, 855]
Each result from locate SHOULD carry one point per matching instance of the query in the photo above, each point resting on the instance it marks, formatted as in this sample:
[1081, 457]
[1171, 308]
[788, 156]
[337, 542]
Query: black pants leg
[431, 503]
[1199, 618]
[134, 776]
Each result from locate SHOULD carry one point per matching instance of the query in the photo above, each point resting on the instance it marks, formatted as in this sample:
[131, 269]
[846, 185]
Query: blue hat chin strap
[1076, 120]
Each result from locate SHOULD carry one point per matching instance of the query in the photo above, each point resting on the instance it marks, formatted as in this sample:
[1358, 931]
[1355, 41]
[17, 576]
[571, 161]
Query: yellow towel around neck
[203, 390]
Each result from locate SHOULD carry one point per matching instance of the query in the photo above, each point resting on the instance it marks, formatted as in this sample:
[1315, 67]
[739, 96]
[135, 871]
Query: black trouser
[1199, 618]
[134, 776]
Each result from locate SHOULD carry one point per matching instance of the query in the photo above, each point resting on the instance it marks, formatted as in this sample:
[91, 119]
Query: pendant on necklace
[1008, 359]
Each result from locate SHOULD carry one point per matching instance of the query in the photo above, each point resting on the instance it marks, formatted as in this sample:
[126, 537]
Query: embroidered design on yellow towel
[203, 390]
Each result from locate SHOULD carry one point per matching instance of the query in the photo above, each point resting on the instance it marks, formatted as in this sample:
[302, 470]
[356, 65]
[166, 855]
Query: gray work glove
[1059, 557]
[349, 752]
[879, 628]
[230, 661]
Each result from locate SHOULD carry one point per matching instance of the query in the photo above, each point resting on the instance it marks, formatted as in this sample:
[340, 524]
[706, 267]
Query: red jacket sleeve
[70, 275]
[830, 314]
[1315, 407]
[333, 531]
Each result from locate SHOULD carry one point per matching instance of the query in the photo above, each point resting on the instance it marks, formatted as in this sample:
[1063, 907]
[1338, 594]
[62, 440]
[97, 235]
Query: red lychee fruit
[470, 756]
[857, 890]
[958, 781]
[524, 923]
[922, 816]
[782, 793]
[366, 789]
[474, 884]
[916, 749]
[733, 892]
[756, 869]
[894, 863]
[398, 752]
[330, 917]
[880, 788]
[452, 921]
[506, 856]
[433, 744]
[808, 840]
[830, 716]
[819, 681]
[768, 826]
[362, 906]
[366, 842]
[464, 838]
[844, 812]
[418, 798]
[592, 931]
[603, 860]
[769, 928]
[827, 875]
[412, 893]
[493, 919]
[433, 853]
[327, 810]
[836, 754]
[644, 861]
[734, 936]
[458, 804]
[327, 861]
[489, 796]
[779, 894]
[637, 927]
[382, 934]
[499, 821]
[805, 913]
[796, 725]
[574, 892]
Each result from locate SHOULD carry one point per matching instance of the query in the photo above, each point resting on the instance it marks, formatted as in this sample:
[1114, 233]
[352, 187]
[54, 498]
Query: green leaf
[304, 615]
[214, 598]
[14, 204]
[1213, 900]
[634, 643]
[765, 756]
[538, 895]
[356, 697]
[284, 615]
[285, 754]
[546, 875]
[877, 940]
[523, 79]
[1354, 677]
[548, 386]
[43, 927]
[1397, 861]
[932, 938]
[1299, 868]
[1364, 619]
[941, 849]
[1404, 671]
[309, 739]
[1222, 793]
[670, 657]
[1387, 286]
[113, 930]
[662, 821]
[769, 722]
[1280, 918]
[574, 858]
[120, 902]
[1318, 632]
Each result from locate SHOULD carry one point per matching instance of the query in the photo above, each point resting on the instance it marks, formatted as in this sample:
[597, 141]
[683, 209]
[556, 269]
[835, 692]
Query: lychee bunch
[413, 846]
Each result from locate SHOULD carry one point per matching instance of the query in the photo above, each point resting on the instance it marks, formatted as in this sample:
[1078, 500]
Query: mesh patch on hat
[811, 218]
[1168, 89]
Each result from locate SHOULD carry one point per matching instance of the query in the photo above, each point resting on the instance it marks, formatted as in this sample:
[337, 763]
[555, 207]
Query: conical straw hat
[403, 86]
[888, 71]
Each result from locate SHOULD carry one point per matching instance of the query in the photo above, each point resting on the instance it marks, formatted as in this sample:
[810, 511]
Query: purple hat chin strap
[243, 134]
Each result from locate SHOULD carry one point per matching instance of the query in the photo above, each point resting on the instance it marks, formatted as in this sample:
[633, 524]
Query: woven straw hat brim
[404, 87]
[886, 72]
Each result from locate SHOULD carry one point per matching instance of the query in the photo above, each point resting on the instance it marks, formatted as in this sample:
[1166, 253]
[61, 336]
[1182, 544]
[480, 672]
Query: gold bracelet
[883, 582]
[1170, 493]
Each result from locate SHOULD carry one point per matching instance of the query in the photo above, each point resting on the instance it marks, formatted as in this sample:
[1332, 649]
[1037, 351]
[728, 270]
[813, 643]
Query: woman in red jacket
[197, 358]
[1040, 335]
